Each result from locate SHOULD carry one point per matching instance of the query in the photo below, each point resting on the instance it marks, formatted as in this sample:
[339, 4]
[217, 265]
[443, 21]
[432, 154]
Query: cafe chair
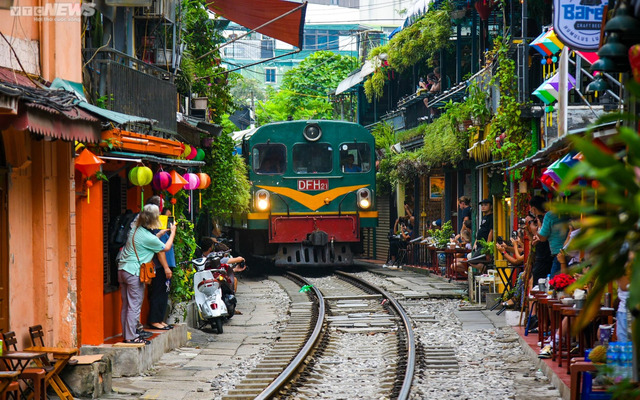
[37, 375]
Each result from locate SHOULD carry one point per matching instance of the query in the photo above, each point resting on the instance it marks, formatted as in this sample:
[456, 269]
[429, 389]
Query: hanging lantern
[88, 164]
[192, 154]
[140, 176]
[161, 180]
[186, 152]
[200, 155]
[205, 180]
[177, 182]
[634, 61]
[484, 8]
[193, 181]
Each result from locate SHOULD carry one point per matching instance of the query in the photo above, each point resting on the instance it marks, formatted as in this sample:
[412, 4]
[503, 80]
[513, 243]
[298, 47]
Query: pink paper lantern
[193, 154]
[192, 181]
[161, 181]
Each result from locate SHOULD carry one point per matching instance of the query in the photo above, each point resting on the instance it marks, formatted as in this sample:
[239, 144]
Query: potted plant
[477, 102]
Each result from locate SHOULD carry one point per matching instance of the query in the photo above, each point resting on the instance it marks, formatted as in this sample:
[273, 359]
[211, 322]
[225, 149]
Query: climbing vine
[509, 135]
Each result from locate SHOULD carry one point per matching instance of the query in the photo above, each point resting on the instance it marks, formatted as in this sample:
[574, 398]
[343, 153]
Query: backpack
[119, 230]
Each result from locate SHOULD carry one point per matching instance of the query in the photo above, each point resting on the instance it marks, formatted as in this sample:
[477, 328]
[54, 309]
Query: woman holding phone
[161, 284]
[140, 248]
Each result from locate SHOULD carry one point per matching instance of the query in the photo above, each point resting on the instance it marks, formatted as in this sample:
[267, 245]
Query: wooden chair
[8, 383]
[37, 375]
[61, 358]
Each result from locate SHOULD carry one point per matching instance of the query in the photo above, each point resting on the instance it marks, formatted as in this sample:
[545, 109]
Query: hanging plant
[420, 42]
[509, 135]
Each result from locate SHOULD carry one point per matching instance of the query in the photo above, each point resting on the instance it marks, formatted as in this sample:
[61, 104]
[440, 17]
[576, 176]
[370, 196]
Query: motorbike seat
[205, 282]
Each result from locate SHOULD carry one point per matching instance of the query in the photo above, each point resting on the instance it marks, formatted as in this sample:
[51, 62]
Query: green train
[313, 191]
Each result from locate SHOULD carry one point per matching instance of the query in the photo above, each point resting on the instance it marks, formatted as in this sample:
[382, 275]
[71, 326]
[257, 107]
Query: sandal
[138, 340]
[545, 352]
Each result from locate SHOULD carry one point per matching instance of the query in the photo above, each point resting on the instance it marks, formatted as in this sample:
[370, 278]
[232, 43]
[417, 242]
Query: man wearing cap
[485, 231]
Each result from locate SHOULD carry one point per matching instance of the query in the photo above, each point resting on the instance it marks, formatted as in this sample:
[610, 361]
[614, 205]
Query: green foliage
[488, 248]
[413, 45]
[201, 72]
[383, 134]
[517, 142]
[477, 103]
[184, 246]
[443, 235]
[244, 89]
[304, 92]
[229, 190]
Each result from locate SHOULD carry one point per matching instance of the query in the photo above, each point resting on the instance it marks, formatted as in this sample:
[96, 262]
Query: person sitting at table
[514, 253]
[398, 241]
[485, 232]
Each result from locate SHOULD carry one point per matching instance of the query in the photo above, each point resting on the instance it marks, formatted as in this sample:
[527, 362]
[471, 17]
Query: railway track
[345, 338]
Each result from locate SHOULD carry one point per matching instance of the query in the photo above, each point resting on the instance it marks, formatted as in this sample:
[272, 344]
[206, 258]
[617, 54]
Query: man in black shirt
[485, 232]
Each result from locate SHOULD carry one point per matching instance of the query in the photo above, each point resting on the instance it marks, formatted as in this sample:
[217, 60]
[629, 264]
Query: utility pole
[252, 113]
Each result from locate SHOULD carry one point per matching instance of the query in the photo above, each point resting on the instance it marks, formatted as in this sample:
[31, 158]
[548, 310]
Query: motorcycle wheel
[217, 325]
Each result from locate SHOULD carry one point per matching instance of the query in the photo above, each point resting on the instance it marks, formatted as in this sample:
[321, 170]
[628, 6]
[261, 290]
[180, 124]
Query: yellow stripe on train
[313, 202]
[265, 216]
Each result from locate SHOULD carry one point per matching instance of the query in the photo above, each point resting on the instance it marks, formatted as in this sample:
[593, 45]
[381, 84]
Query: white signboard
[577, 23]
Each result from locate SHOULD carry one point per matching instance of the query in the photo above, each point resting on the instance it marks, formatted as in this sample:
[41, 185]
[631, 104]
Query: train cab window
[312, 158]
[269, 158]
[355, 157]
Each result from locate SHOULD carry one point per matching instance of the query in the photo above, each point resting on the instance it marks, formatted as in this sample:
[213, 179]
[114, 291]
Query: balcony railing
[131, 86]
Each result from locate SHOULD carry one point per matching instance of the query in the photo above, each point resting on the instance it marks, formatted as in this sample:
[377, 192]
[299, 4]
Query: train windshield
[269, 158]
[312, 158]
[355, 157]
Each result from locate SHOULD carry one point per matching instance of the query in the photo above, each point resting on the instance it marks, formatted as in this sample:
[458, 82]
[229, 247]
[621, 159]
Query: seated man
[349, 165]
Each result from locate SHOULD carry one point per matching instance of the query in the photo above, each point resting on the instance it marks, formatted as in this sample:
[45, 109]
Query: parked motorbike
[213, 292]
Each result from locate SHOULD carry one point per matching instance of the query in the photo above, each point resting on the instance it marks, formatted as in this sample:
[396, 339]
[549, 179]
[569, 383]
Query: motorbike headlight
[262, 200]
[364, 198]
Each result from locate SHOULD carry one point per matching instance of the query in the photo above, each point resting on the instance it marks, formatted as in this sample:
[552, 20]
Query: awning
[253, 14]
[137, 157]
[81, 101]
[559, 145]
[43, 122]
[121, 139]
[356, 77]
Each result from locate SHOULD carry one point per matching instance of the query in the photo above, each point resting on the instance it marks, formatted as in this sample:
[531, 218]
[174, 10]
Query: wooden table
[572, 313]
[6, 379]
[22, 360]
[61, 356]
[450, 256]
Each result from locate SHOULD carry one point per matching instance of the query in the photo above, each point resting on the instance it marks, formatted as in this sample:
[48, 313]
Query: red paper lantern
[484, 8]
[87, 163]
[177, 182]
[634, 61]
[193, 154]
[161, 180]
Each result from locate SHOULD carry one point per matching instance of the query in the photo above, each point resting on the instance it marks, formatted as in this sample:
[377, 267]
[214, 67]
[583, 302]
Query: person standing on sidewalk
[141, 246]
[552, 230]
[161, 284]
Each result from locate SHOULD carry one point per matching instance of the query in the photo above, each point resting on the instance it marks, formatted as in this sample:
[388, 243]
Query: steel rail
[405, 390]
[298, 362]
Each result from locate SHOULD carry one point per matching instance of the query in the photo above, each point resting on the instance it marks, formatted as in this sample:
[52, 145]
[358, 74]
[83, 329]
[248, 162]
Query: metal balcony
[128, 85]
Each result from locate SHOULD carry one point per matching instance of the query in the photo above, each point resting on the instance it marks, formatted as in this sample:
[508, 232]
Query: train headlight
[262, 200]
[364, 198]
[312, 132]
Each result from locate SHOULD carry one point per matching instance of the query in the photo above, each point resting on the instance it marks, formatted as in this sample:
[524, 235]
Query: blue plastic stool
[587, 392]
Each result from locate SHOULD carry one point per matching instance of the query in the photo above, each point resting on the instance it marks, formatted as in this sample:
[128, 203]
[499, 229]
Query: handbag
[148, 269]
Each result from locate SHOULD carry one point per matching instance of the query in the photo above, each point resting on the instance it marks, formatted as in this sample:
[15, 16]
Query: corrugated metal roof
[160, 160]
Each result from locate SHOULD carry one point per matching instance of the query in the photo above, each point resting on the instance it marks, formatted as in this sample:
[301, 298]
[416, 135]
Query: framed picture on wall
[436, 187]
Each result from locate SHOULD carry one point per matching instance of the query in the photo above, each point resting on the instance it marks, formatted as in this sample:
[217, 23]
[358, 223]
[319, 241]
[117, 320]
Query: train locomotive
[313, 191]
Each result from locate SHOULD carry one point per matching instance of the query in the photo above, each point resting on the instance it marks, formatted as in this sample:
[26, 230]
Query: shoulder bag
[148, 269]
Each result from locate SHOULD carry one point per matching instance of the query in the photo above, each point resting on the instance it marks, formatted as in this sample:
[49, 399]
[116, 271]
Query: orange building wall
[90, 275]
[60, 39]
[42, 282]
